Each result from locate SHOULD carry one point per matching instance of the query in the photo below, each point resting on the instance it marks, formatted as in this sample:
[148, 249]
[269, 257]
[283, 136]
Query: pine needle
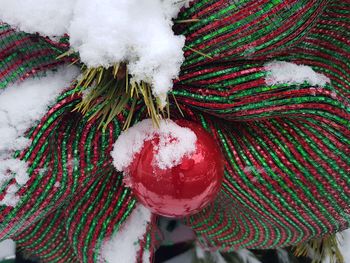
[320, 249]
[110, 91]
[182, 21]
[199, 52]
[66, 54]
[193, 20]
[107, 92]
[178, 106]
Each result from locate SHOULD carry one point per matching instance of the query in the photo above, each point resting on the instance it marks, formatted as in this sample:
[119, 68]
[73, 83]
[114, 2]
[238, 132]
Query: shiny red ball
[184, 189]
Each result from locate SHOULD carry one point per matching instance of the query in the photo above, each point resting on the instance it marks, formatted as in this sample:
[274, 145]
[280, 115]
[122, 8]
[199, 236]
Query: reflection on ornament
[185, 188]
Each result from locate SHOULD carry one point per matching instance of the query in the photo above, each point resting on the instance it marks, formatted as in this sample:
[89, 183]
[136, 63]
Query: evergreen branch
[320, 249]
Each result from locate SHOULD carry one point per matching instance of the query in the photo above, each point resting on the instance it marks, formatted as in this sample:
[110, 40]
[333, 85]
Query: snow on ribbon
[175, 142]
[21, 105]
[124, 245]
[105, 32]
[286, 72]
[344, 238]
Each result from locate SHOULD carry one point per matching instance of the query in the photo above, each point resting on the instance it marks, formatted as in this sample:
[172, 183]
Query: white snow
[124, 245]
[182, 233]
[286, 72]
[7, 249]
[344, 246]
[282, 255]
[247, 256]
[205, 255]
[105, 32]
[21, 105]
[175, 142]
[48, 17]
[146, 258]
[200, 252]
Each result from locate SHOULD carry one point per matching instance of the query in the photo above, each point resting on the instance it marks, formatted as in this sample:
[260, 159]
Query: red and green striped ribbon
[23, 55]
[286, 147]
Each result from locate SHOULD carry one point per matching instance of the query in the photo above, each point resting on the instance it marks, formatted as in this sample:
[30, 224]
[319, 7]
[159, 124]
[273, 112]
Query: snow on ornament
[174, 170]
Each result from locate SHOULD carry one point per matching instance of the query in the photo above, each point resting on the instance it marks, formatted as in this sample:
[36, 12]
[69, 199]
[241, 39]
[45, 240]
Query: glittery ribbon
[286, 147]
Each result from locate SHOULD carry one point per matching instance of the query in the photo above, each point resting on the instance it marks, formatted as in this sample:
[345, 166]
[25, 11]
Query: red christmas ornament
[184, 189]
